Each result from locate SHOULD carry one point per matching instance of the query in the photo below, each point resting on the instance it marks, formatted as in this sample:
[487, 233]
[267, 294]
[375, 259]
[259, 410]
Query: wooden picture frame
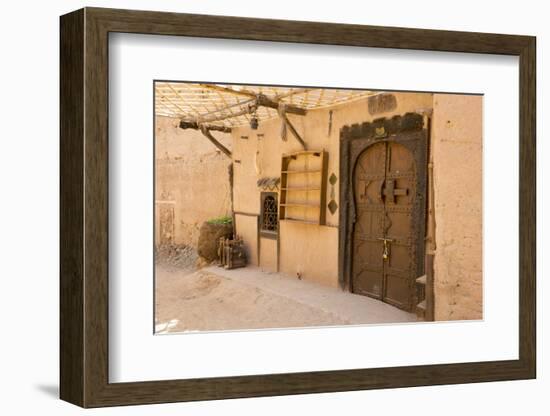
[84, 207]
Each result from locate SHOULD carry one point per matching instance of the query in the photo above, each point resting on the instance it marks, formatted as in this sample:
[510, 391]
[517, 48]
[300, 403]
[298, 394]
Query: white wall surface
[29, 209]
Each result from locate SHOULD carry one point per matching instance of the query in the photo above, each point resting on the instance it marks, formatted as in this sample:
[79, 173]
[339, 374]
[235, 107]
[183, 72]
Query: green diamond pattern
[332, 206]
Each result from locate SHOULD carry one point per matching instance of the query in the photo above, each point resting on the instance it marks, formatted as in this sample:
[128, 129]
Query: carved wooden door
[384, 245]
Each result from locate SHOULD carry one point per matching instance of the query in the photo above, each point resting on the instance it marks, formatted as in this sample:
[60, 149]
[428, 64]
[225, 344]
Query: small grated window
[269, 218]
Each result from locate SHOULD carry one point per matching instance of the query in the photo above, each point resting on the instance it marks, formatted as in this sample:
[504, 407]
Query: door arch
[382, 217]
[384, 190]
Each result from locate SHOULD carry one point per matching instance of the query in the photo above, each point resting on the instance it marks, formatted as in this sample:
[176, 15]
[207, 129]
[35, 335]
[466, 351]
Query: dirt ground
[211, 298]
[202, 301]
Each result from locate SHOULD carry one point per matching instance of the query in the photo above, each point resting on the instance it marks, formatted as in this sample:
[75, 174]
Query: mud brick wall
[310, 251]
[191, 182]
[457, 155]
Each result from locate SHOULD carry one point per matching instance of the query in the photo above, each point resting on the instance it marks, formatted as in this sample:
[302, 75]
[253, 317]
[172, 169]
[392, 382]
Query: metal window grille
[270, 218]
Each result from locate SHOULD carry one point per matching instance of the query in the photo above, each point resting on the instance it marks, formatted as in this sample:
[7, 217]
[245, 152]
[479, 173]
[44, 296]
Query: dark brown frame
[84, 207]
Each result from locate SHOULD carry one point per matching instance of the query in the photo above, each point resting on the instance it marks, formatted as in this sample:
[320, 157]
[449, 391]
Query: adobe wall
[308, 250]
[457, 164]
[191, 184]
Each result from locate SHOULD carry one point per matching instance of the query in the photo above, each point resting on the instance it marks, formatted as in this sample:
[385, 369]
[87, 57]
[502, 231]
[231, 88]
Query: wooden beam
[265, 101]
[294, 132]
[252, 94]
[215, 142]
[261, 99]
[194, 125]
[241, 112]
[205, 130]
[429, 288]
[228, 90]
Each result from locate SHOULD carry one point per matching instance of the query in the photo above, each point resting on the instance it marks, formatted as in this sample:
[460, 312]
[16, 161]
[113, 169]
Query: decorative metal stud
[332, 206]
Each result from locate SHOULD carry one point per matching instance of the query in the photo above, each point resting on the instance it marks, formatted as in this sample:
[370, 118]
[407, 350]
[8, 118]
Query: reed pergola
[221, 107]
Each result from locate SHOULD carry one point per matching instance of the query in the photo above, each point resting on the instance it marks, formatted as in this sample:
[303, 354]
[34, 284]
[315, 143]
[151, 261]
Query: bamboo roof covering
[228, 105]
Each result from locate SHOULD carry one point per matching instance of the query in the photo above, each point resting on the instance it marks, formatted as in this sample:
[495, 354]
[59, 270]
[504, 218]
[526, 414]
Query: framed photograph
[255, 207]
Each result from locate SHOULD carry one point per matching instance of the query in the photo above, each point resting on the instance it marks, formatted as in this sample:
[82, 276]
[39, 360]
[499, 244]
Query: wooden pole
[228, 90]
[256, 100]
[265, 101]
[205, 130]
[215, 142]
[194, 125]
[430, 255]
[249, 108]
[294, 132]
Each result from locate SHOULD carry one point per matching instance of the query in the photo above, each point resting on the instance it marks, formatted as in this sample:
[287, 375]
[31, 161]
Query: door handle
[381, 190]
